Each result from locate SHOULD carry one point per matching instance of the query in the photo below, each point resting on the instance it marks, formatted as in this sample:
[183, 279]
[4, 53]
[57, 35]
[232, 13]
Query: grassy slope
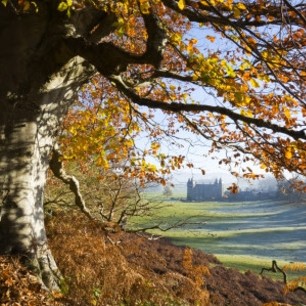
[246, 236]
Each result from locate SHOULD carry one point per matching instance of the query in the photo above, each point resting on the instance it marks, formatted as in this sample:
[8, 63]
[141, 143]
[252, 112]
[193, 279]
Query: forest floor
[110, 267]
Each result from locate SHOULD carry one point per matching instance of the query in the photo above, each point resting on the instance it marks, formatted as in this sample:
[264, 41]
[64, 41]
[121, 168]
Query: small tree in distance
[167, 191]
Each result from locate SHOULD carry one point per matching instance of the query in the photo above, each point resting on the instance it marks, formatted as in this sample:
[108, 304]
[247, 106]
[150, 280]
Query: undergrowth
[98, 272]
[197, 274]
[124, 269]
[298, 283]
[20, 287]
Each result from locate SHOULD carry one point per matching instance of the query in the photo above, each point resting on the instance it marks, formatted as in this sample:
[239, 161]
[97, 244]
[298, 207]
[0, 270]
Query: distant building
[204, 192]
[249, 195]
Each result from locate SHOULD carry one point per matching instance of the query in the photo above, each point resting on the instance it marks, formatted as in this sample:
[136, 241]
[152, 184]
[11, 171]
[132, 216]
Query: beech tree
[248, 55]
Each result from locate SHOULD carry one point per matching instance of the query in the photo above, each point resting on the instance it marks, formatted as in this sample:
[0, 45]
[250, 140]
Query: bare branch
[58, 170]
[160, 226]
[275, 268]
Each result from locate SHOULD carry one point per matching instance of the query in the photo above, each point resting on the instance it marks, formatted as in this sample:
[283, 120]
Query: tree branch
[275, 268]
[216, 13]
[299, 13]
[164, 228]
[58, 170]
[96, 51]
[180, 107]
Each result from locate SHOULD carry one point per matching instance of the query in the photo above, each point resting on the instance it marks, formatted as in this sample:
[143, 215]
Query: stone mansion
[204, 192]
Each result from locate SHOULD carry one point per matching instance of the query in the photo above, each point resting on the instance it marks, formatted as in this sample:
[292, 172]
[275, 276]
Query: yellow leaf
[241, 6]
[93, 302]
[155, 146]
[254, 83]
[176, 38]
[181, 4]
[62, 6]
[245, 65]
[283, 78]
[247, 113]
[288, 153]
[230, 71]
[190, 46]
[145, 6]
[246, 76]
[287, 113]
[237, 12]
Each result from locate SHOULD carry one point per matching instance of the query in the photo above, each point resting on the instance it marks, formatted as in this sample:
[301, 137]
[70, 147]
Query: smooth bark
[39, 79]
[28, 133]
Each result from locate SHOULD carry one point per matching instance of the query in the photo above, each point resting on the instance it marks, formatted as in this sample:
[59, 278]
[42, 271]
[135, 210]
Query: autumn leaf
[288, 153]
[233, 188]
[181, 4]
[254, 83]
[236, 12]
[244, 95]
[287, 112]
[241, 6]
[211, 38]
[145, 6]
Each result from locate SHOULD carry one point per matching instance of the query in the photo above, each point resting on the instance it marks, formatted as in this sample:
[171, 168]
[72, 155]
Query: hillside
[118, 268]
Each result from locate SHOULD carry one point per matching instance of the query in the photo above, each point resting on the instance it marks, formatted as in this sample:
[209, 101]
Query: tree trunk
[28, 131]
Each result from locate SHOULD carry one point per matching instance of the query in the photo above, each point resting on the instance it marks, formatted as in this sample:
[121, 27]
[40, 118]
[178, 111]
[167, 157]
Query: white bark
[59, 171]
[28, 129]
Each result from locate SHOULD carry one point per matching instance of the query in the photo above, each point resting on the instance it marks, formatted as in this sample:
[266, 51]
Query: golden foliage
[262, 80]
[197, 273]
[275, 304]
[295, 284]
[299, 282]
[295, 266]
[100, 270]
[101, 130]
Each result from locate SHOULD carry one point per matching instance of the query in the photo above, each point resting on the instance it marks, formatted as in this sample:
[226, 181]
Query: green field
[246, 235]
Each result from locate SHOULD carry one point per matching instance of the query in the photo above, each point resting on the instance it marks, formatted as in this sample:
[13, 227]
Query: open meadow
[245, 235]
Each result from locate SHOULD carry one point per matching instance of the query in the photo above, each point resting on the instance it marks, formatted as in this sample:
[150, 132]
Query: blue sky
[196, 150]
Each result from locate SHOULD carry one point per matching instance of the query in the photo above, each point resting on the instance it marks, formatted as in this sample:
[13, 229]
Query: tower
[189, 189]
[220, 189]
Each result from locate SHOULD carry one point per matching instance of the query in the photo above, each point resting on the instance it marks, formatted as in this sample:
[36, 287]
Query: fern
[195, 272]
[295, 266]
[275, 304]
[298, 283]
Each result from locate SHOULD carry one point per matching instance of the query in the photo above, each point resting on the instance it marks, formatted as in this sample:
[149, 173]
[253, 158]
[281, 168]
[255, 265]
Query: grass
[246, 236]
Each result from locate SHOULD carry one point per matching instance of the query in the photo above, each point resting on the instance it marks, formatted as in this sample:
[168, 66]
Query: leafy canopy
[230, 71]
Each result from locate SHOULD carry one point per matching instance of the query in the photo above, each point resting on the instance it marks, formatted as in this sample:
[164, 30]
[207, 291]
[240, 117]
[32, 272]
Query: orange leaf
[211, 38]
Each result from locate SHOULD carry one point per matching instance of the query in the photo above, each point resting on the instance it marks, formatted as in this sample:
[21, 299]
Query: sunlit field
[245, 235]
